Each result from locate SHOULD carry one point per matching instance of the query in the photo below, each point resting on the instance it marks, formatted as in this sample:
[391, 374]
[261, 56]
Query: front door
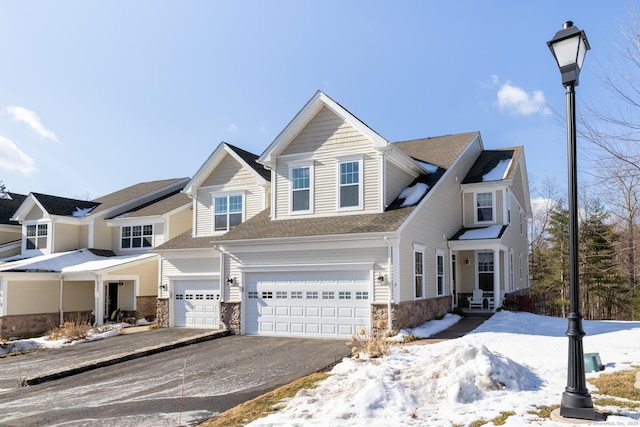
[112, 301]
[485, 271]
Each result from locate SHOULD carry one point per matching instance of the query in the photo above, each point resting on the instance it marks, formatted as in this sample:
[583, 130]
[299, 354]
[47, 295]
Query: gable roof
[490, 160]
[63, 206]
[305, 115]
[8, 206]
[245, 158]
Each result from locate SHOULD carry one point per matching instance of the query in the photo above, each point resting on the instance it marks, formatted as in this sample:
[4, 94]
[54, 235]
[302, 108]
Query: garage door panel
[313, 311]
[196, 304]
[317, 303]
[329, 312]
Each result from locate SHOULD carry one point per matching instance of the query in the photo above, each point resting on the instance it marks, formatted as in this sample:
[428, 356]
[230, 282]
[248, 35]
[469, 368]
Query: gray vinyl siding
[431, 225]
[397, 180]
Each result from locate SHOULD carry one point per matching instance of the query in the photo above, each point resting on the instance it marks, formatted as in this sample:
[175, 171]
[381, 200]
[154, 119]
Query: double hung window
[349, 184]
[484, 207]
[301, 188]
[418, 272]
[227, 212]
[37, 236]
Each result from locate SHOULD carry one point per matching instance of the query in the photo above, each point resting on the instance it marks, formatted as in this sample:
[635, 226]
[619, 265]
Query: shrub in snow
[371, 345]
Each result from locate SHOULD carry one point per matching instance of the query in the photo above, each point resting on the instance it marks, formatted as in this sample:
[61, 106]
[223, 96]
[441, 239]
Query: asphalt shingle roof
[8, 206]
[132, 192]
[489, 159]
[251, 158]
[159, 206]
[56, 205]
[186, 241]
[262, 227]
[440, 151]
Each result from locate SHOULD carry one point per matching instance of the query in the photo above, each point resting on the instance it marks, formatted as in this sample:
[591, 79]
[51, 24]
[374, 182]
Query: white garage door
[321, 304]
[196, 304]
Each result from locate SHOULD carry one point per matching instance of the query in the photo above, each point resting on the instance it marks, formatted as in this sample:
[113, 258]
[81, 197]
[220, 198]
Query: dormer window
[227, 212]
[350, 184]
[37, 235]
[484, 207]
[301, 178]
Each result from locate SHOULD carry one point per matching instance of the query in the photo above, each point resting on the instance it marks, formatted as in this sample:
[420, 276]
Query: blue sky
[97, 96]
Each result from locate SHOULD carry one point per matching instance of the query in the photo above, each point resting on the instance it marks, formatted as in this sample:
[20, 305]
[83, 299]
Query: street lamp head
[569, 47]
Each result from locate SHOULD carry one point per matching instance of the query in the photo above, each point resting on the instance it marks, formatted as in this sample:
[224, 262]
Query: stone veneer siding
[162, 312]
[146, 307]
[408, 314]
[19, 325]
[230, 315]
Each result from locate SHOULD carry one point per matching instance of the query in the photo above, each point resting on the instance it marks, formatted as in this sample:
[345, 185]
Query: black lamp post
[569, 46]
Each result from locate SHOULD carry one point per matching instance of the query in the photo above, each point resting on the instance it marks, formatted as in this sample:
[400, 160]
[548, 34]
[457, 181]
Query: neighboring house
[348, 231]
[10, 231]
[89, 258]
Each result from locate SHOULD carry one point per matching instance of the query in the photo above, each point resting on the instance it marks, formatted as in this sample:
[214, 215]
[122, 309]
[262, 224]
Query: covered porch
[482, 269]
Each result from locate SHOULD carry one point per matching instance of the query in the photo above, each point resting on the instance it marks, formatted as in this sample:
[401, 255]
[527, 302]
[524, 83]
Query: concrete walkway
[467, 324]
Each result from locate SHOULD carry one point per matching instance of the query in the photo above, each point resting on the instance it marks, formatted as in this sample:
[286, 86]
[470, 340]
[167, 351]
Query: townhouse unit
[333, 229]
[87, 258]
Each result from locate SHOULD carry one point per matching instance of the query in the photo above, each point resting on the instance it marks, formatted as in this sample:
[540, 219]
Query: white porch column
[496, 278]
[98, 308]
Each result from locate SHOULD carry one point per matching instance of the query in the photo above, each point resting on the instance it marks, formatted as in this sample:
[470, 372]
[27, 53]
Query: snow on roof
[413, 194]
[81, 260]
[82, 212]
[428, 167]
[491, 232]
[499, 172]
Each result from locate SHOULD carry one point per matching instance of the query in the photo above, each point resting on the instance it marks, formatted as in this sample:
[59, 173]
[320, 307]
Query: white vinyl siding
[253, 201]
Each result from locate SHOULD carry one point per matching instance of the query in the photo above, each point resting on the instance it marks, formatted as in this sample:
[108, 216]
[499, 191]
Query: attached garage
[196, 304]
[327, 304]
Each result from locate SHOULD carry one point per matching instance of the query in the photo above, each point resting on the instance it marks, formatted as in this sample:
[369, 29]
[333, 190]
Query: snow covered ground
[512, 362]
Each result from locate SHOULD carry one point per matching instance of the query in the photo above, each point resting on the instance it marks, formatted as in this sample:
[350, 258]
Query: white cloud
[31, 119]
[12, 158]
[232, 128]
[516, 100]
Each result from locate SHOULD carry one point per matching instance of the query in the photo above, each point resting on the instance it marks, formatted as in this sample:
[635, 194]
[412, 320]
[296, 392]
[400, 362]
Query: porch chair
[477, 299]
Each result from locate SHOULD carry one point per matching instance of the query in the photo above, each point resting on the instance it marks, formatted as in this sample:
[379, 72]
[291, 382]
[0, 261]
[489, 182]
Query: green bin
[592, 362]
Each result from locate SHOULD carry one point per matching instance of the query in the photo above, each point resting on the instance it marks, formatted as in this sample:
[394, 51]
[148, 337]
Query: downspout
[61, 290]
[390, 281]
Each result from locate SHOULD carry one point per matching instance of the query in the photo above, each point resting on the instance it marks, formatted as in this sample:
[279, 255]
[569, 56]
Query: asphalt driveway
[183, 385]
